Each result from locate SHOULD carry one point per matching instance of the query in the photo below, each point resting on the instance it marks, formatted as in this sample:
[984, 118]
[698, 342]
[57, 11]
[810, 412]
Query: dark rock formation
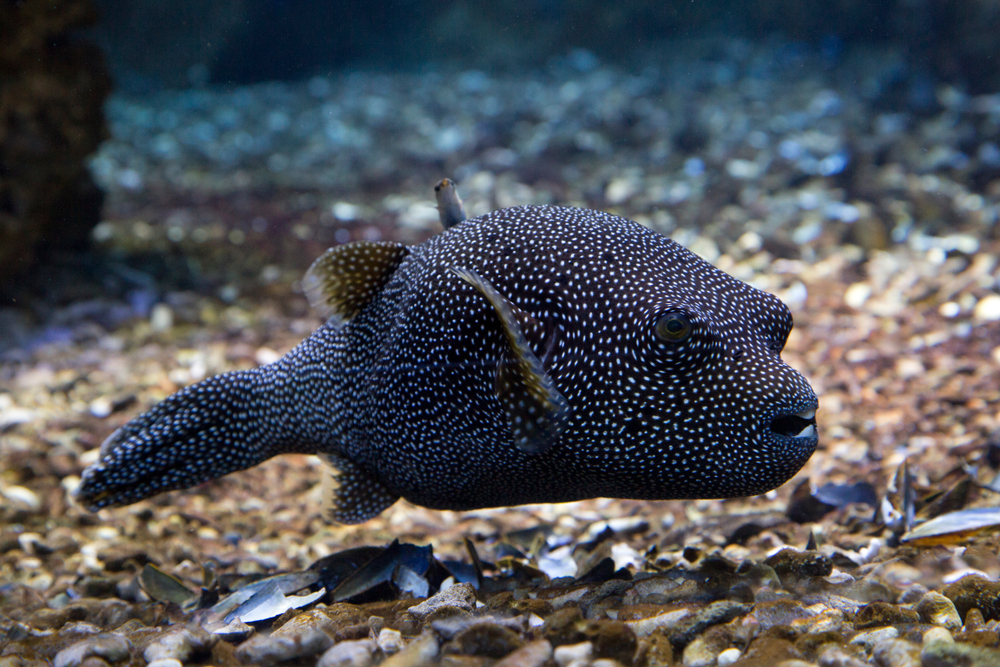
[52, 89]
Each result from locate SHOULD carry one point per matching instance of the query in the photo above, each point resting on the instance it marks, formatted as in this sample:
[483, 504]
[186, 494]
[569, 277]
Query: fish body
[534, 354]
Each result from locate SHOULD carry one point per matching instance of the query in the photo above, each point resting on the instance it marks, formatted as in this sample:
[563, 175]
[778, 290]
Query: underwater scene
[522, 334]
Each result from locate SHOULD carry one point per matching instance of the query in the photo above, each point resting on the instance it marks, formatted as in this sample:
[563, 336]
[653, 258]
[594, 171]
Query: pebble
[647, 626]
[936, 609]
[770, 613]
[532, 654]
[896, 653]
[308, 634]
[356, 653]
[728, 657]
[872, 637]
[937, 634]
[22, 495]
[390, 641]
[975, 591]
[179, 644]
[572, 653]
[944, 654]
[835, 656]
[879, 614]
[459, 596]
[988, 308]
[107, 646]
[421, 651]
[857, 294]
[161, 317]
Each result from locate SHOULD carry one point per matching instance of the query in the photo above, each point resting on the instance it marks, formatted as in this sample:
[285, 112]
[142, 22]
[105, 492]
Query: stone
[357, 653]
[421, 651]
[800, 564]
[180, 644]
[872, 637]
[879, 614]
[532, 654]
[488, 639]
[936, 609]
[107, 646]
[896, 653]
[390, 641]
[728, 657]
[779, 612]
[570, 653]
[308, 634]
[944, 654]
[459, 596]
[975, 591]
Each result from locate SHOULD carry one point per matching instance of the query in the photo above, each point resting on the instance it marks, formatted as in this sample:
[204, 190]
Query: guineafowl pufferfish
[533, 354]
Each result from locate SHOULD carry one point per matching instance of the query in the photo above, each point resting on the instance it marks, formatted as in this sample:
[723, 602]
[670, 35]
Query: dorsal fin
[351, 495]
[536, 411]
[347, 277]
[450, 208]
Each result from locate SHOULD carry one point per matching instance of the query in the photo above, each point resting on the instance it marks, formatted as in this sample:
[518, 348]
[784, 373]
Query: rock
[165, 662]
[714, 614]
[702, 652]
[779, 612]
[988, 308]
[800, 564]
[659, 651]
[307, 634]
[647, 626]
[769, 652]
[975, 591]
[421, 651]
[180, 644]
[872, 637]
[359, 653]
[107, 646]
[831, 620]
[488, 639]
[937, 634]
[390, 641]
[613, 640]
[51, 119]
[834, 656]
[896, 653]
[728, 657]
[944, 654]
[936, 609]
[459, 596]
[879, 614]
[570, 653]
[532, 654]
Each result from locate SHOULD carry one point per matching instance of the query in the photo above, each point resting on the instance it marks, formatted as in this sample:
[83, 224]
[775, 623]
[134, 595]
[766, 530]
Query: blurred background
[149, 148]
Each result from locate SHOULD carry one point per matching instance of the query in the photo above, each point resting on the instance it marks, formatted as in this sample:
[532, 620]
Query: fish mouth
[799, 426]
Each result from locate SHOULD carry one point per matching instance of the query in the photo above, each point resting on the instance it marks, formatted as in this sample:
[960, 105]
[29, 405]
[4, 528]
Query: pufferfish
[534, 354]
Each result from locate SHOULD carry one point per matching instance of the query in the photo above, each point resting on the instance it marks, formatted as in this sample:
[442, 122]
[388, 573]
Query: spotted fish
[534, 354]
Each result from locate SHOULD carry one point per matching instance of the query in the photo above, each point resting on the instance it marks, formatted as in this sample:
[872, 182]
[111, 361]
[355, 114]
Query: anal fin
[536, 411]
[351, 495]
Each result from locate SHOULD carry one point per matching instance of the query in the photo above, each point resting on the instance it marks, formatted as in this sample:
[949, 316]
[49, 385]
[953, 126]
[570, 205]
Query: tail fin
[226, 423]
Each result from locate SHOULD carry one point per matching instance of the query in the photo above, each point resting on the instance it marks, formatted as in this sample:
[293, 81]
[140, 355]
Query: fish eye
[673, 328]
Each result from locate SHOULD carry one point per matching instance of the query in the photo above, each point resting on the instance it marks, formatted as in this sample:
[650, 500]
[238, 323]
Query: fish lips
[796, 428]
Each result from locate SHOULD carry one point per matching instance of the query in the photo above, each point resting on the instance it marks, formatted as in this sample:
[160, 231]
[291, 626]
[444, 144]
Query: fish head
[696, 399]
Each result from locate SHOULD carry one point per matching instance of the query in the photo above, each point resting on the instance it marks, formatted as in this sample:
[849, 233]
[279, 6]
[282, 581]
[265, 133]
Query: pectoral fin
[536, 411]
[350, 494]
[347, 277]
